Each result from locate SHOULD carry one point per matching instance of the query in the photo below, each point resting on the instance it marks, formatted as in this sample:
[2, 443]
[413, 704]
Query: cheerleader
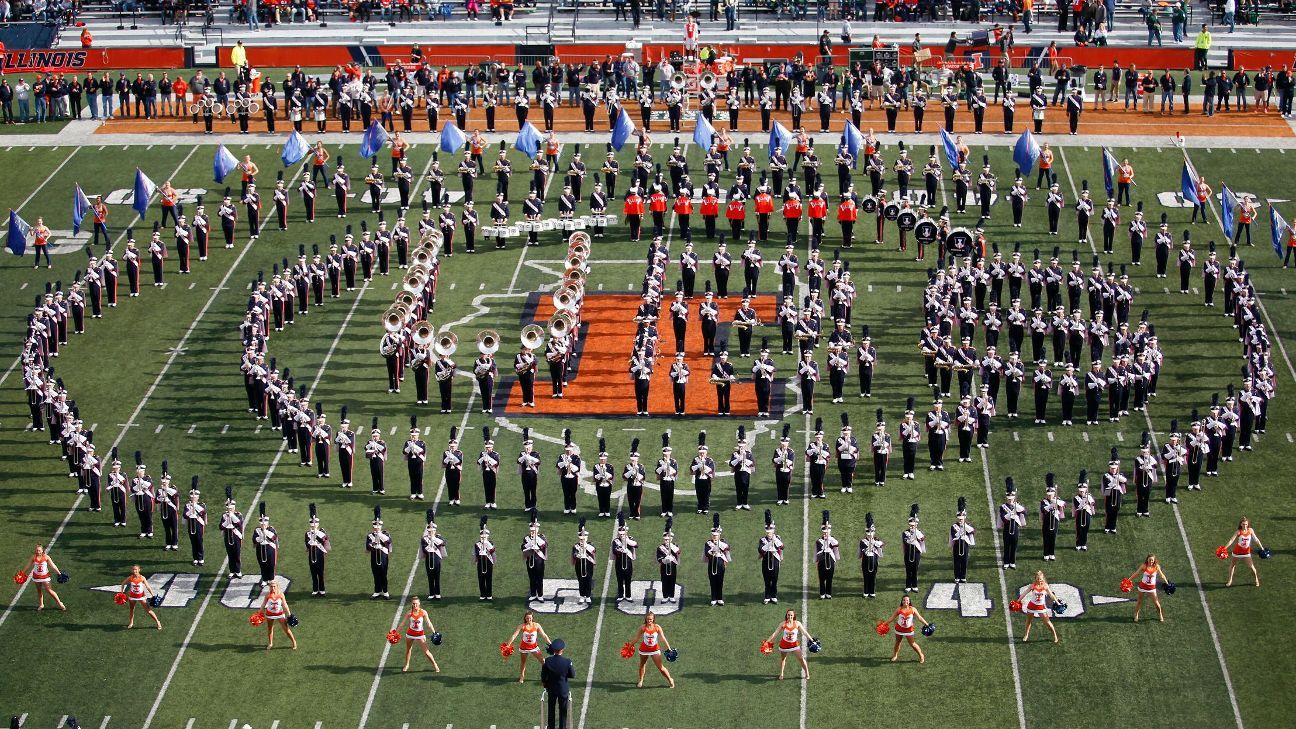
[1147, 576]
[903, 617]
[274, 607]
[528, 630]
[789, 641]
[1239, 546]
[40, 565]
[651, 638]
[138, 590]
[418, 625]
[1037, 605]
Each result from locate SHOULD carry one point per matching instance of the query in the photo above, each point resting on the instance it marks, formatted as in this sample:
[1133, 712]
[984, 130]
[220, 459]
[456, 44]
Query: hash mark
[62, 722]
[225, 429]
[1289, 438]
[870, 288]
[192, 428]
[598, 433]
[319, 725]
[157, 429]
[1085, 435]
[233, 723]
[1194, 290]
[1165, 289]
[1050, 436]
[482, 287]
[20, 288]
[453, 284]
[1120, 436]
[897, 288]
[393, 431]
[192, 285]
[1016, 437]
[274, 724]
[103, 724]
[1284, 291]
[258, 429]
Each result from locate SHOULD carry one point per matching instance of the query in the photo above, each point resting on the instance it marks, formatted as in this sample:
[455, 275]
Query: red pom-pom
[883, 627]
[1127, 585]
[1221, 552]
[20, 577]
[506, 650]
[256, 618]
[627, 650]
[766, 647]
[120, 598]
[393, 636]
[1015, 605]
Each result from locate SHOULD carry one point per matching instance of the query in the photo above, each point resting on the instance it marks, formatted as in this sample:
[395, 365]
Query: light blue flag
[18, 232]
[452, 138]
[1277, 230]
[1228, 210]
[294, 150]
[372, 142]
[80, 208]
[779, 137]
[1026, 152]
[703, 132]
[622, 130]
[528, 140]
[951, 152]
[223, 163]
[854, 139]
[144, 189]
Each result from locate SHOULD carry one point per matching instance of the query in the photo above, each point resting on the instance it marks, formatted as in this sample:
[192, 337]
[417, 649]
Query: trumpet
[422, 333]
[532, 336]
[708, 81]
[393, 319]
[562, 324]
[488, 341]
[446, 344]
[415, 282]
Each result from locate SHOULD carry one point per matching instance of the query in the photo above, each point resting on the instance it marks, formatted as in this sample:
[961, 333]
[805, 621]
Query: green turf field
[160, 374]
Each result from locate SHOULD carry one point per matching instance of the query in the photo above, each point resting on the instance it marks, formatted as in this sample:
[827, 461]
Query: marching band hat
[913, 514]
[715, 524]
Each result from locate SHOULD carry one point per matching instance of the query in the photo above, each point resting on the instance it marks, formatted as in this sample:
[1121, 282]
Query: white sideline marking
[319, 725]
[192, 428]
[1289, 438]
[24, 286]
[1120, 436]
[1003, 595]
[233, 723]
[22, 719]
[138, 408]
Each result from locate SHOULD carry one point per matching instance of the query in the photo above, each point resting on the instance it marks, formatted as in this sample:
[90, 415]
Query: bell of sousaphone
[393, 319]
[422, 332]
[708, 81]
[405, 300]
[446, 344]
[562, 324]
[414, 282]
[488, 341]
[423, 256]
[563, 299]
[575, 276]
[532, 336]
[579, 237]
[431, 238]
[677, 81]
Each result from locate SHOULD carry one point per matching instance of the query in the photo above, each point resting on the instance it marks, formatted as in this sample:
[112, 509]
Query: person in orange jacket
[710, 211]
[657, 205]
[817, 211]
[847, 212]
[764, 208]
[792, 218]
[633, 210]
[736, 214]
[683, 210]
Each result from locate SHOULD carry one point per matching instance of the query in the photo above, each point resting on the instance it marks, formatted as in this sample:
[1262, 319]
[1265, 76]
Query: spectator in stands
[253, 22]
[1027, 12]
[1201, 47]
[5, 18]
[1178, 21]
[1153, 27]
[1229, 10]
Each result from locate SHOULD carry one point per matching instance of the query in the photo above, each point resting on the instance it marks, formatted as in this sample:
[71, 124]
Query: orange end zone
[599, 383]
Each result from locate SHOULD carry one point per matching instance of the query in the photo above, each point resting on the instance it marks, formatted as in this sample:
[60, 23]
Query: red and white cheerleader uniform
[1037, 602]
[136, 588]
[1148, 580]
[417, 621]
[648, 644]
[41, 572]
[530, 641]
[1241, 545]
[789, 638]
[274, 608]
[904, 622]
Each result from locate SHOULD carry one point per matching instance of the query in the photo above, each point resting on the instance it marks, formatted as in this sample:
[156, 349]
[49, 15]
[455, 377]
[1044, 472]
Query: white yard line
[598, 629]
[216, 580]
[1003, 595]
[130, 422]
[1075, 195]
[1197, 581]
[805, 567]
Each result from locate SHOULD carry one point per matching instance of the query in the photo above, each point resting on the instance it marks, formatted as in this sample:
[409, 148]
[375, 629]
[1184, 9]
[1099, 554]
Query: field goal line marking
[274, 464]
[436, 500]
[125, 429]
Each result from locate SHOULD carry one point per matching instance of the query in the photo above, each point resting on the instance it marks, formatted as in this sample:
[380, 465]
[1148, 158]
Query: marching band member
[623, 552]
[938, 426]
[40, 565]
[529, 469]
[583, 559]
[168, 505]
[483, 553]
[703, 470]
[604, 474]
[784, 461]
[529, 645]
[266, 542]
[667, 470]
[274, 608]
[723, 376]
[1238, 548]
[433, 553]
[634, 475]
[535, 552]
[137, 589]
[317, 549]
[827, 555]
[1011, 518]
[415, 452]
[141, 491]
[321, 435]
[915, 545]
[1145, 475]
[418, 624]
[341, 184]
[880, 445]
[195, 515]
[232, 527]
[962, 538]
[716, 554]
[903, 617]
[1113, 489]
[485, 371]
[1037, 605]
[870, 554]
[379, 545]
[1052, 514]
[489, 461]
[744, 465]
[1083, 507]
[376, 453]
[1148, 574]
[770, 552]
[817, 454]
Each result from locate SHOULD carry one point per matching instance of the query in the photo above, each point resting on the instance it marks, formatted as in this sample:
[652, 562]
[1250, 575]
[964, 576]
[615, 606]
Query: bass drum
[891, 211]
[960, 242]
[907, 220]
[869, 204]
[926, 231]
